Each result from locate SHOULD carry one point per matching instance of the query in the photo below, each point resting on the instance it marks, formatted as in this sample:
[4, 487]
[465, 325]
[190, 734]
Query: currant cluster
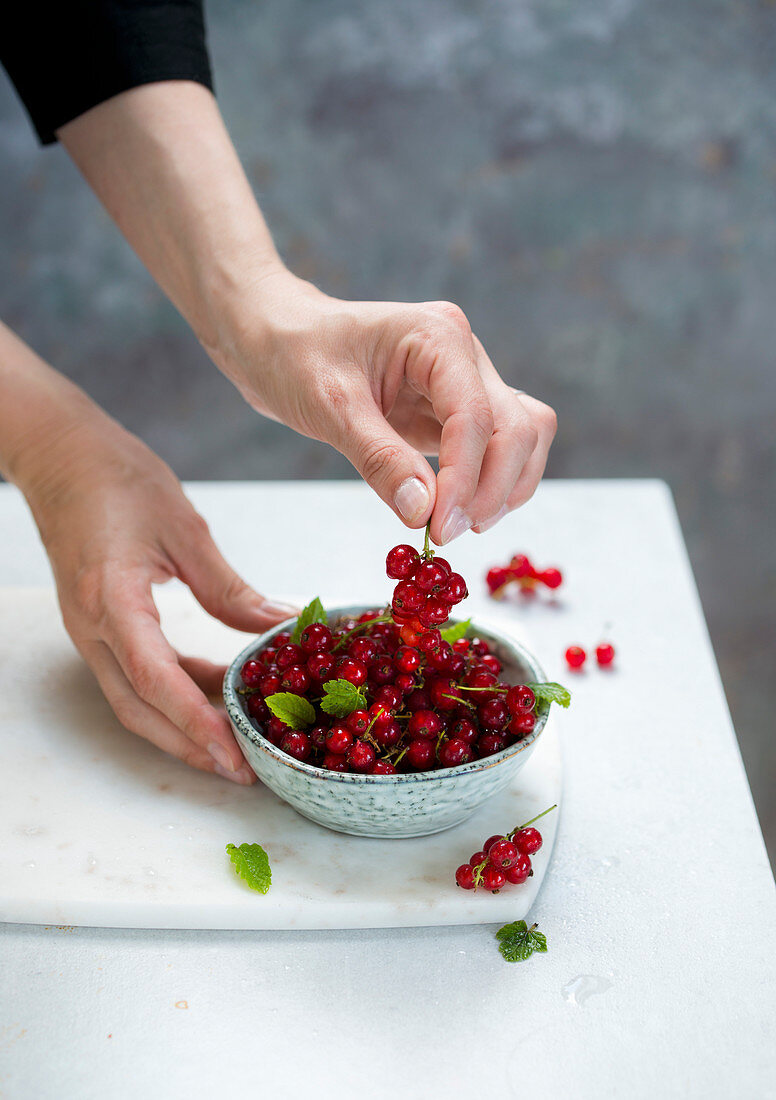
[522, 572]
[503, 859]
[427, 590]
[419, 701]
[576, 656]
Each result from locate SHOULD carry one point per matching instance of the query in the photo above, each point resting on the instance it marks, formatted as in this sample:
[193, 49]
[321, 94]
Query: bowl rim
[240, 719]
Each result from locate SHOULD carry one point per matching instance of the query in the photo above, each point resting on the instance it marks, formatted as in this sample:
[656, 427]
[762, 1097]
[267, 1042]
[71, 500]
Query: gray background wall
[593, 181]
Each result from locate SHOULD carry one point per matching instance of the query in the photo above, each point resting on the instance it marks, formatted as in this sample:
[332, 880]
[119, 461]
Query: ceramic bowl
[404, 805]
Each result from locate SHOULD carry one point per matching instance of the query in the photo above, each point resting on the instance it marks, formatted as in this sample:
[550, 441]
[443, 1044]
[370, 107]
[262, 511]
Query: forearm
[161, 161]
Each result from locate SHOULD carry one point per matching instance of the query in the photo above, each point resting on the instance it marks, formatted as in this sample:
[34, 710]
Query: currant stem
[428, 553]
[525, 826]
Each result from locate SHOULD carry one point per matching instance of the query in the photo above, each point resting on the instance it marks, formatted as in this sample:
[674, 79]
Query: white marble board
[99, 828]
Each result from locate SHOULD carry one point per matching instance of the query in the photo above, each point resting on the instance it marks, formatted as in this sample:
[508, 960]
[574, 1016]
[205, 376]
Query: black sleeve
[65, 56]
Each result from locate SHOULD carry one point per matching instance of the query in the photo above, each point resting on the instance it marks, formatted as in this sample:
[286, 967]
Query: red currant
[257, 708]
[492, 878]
[454, 752]
[406, 659]
[429, 577]
[321, 667]
[430, 641]
[252, 672]
[435, 612]
[553, 578]
[383, 767]
[381, 670]
[420, 754]
[339, 739]
[491, 841]
[334, 762]
[401, 561]
[289, 654]
[296, 744]
[352, 670]
[520, 567]
[503, 853]
[424, 723]
[464, 876]
[316, 638]
[519, 871]
[528, 841]
[295, 679]
[478, 858]
[318, 736]
[443, 564]
[408, 599]
[463, 730]
[522, 724]
[362, 649]
[361, 756]
[492, 663]
[455, 589]
[496, 578]
[493, 714]
[604, 654]
[269, 684]
[388, 735]
[575, 656]
[380, 715]
[283, 637]
[388, 695]
[358, 721]
[404, 682]
[520, 699]
[276, 730]
[490, 743]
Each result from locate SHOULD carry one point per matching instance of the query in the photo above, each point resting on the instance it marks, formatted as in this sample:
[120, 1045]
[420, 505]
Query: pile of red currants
[392, 690]
[523, 573]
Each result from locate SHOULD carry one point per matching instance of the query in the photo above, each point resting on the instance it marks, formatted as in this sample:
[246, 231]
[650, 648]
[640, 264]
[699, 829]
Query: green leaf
[251, 863]
[296, 711]
[313, 613]
[551, 693]
[341, 698]
[456, 632]
[518, 942]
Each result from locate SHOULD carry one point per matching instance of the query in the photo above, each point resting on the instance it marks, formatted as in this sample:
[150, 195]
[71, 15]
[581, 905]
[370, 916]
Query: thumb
[398, 473]
[221, 591]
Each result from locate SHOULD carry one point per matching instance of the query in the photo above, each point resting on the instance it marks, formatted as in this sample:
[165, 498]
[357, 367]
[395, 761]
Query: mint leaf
[251, 863]
[341, 698]
[456, 632]
[296, 711]
[313, 613]
[551, 693]
[518, 942]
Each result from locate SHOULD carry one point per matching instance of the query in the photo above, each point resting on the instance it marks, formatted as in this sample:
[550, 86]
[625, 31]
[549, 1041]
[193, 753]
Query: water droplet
[91, 861]
[31, 865]
[579, 989]
[149, 871]
[168, 826]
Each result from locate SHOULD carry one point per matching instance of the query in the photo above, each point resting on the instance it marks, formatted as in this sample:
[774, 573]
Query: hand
[386, 384]
[114, 521]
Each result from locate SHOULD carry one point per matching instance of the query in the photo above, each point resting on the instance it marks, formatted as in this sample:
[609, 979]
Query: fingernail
[243, 775]
[412, 499]
[281, 610]
[455, 524]
[486, 526]
[222, 758]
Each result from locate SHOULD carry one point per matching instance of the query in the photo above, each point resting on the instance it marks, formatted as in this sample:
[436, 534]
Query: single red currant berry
[575, 656]
[401, 561]
[496, 578]
[406, 659]
[389, 695]
[267, 656]
[503, 853]
[368, 616]
[409, 634]
[339, 739]
[420, 754]
[424, 723]
[443, 695]
[528, 841]
[520, 699]
[321, 667]
[257, 708]
[492, 663]
[408, 599]
[454, 753]
[456, 664]
[334, 762]
[379, 714]
[352, 670]
[358, 721]
[464, 876]
[361, 756]
[283, 637]
[454, 589]
[493, 714]
[382, 767]
[404, 682]
[430, 641]
[443, 564]
[429, 577]
[463, 730]
[480, 678]
[604, 654]
[381, 670]
[316, 638]
[269, 684]
[519, 871]
[522, 724]
[435, 612]
[553, 578]
[276, 730]
[441, 658]
[490, 743]
[388, 735]
[252, 672]
[295, 679]
[480, 647]
[289, 654]
[296, 744]
[492, 878]
[362, 649]
[491, 841]
[478, 858]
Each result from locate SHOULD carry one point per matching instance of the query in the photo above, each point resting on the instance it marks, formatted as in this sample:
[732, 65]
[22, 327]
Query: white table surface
[658, 904]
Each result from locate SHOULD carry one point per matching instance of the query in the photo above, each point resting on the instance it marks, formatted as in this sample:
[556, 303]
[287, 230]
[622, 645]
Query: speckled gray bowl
[403, 805]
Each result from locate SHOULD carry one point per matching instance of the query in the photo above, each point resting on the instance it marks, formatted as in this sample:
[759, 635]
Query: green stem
[428, 553]
[542, 814]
